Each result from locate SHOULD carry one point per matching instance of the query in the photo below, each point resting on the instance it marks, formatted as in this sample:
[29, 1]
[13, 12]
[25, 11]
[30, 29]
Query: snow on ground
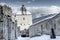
[43, 37]
[23, 38]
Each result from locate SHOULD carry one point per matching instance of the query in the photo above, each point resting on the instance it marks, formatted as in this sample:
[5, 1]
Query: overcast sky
[35, 6]
[32, 2]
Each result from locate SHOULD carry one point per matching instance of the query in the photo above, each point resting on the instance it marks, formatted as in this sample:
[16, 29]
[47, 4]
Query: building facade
[7, 25]
[24, 21]
[44, 26]
[24, 18]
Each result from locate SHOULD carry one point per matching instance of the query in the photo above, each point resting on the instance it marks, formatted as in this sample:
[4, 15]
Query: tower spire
[23, 10]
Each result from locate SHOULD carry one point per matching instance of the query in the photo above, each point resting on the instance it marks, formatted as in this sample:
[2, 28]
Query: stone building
[44, 25]
[8, 28]
[24, 19]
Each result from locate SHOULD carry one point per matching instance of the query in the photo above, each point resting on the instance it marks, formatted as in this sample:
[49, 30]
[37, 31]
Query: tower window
[23, 18]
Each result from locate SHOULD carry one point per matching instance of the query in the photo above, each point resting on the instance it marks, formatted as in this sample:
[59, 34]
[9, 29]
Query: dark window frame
[23, 18]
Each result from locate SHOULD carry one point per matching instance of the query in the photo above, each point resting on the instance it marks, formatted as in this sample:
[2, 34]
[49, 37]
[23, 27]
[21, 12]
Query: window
[23, 18]
[20, 24]
[46, 26]
[54, 26]
[12, 27]
[1, 10]
[41, 29]
[24, 24]
[28, 24]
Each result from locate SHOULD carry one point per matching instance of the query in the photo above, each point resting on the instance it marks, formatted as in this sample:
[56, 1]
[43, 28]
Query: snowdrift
[43, 37]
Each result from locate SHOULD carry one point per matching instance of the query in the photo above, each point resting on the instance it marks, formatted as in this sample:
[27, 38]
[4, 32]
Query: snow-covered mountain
[40, 11]
[37, 11]
[43, 11]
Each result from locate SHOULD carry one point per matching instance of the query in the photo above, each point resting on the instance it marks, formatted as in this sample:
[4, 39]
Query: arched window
[24, 24]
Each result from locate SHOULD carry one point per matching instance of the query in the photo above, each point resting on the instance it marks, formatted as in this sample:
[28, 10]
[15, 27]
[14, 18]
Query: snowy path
[43, 37]
[23, 38]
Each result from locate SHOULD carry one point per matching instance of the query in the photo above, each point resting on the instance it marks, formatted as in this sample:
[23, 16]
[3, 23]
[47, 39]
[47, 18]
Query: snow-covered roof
[45, 19]
[40, 18]
[19, 12]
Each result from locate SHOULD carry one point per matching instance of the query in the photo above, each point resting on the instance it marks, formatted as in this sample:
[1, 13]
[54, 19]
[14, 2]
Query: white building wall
[24, 21]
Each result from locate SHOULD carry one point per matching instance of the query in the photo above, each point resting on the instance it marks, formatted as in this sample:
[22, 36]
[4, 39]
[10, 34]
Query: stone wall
[7, 26]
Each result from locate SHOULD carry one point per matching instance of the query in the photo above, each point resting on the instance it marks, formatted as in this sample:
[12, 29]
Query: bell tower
[24, 18]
